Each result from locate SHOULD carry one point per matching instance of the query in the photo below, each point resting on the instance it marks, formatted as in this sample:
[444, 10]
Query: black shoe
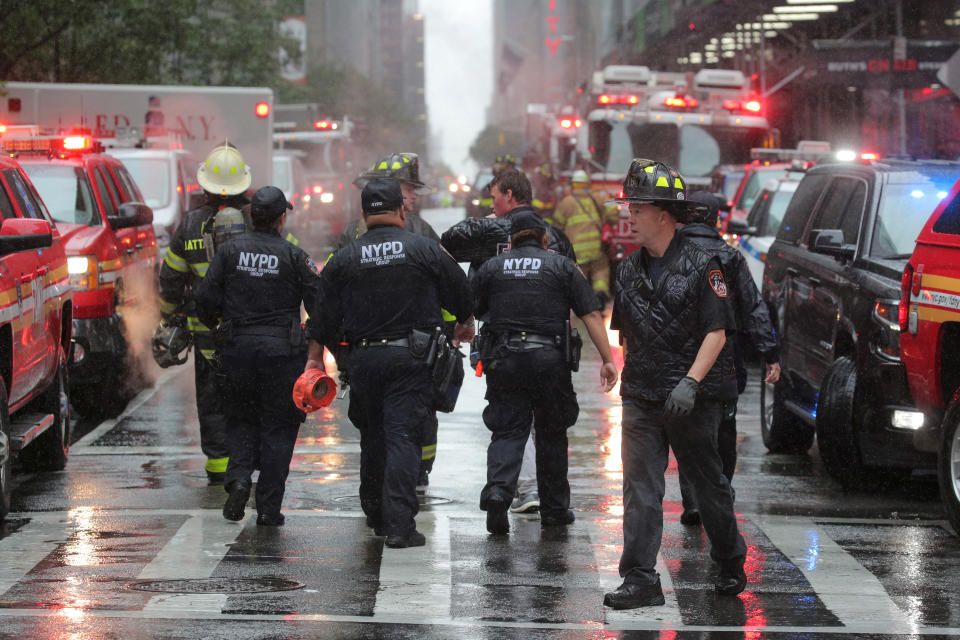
[732, 579]
[263, 520]
[215, 477]
[239, 493]
[497, 522]
[632, 596]
[557, 520]
[690, 518]
[412, 539]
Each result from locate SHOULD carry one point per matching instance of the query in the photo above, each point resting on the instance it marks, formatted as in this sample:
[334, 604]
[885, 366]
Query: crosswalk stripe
[20, 552]
[848, 589]
[195, 551]
[417, 579]
[606, 538]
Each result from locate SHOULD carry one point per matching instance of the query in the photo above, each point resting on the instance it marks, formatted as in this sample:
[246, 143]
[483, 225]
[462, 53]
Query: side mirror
[830, 242]
[131, 214]
[24, 234]
[741, 228]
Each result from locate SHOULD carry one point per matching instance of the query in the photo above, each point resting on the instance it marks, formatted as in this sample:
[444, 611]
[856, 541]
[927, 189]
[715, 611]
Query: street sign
[949, 73]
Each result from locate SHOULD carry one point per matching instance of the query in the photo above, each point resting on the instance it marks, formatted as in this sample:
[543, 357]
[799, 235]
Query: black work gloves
[682, 398]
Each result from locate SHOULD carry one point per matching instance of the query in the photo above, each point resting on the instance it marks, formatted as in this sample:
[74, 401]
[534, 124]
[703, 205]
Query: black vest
[660, 326]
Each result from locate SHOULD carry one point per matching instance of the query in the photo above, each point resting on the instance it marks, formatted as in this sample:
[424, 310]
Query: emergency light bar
[745, 106]
[812, 151]
[681, 102]
[567, 123]
[611, 99]
[52, 145]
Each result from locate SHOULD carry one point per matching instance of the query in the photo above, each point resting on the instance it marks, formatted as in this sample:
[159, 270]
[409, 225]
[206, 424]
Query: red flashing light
[77, 143]
[681, 102]
[749, 106]
[3, 128]
[608, 99]
[262, 109]
[605, 99]
[753, 105]
[903, 308]
[692, 26]
[321, 124]
[866, 156]
[318, 188]
[568, 123]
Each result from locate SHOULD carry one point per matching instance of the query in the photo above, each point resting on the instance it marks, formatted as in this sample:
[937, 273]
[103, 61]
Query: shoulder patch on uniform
[313, 266]
[717, 283]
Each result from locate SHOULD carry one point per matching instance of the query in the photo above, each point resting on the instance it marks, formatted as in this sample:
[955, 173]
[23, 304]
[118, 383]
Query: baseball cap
[270, 200]
[381, 195]
[526, 220]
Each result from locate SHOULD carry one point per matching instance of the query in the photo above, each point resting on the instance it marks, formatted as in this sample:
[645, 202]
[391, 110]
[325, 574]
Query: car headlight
[83, 272]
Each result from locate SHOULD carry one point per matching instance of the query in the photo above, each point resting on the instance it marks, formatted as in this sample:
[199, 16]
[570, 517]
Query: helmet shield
[405, 167]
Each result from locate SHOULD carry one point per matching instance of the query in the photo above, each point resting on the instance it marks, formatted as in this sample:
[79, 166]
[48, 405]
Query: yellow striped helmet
[649, 181]
[223, 173]
[405, 167]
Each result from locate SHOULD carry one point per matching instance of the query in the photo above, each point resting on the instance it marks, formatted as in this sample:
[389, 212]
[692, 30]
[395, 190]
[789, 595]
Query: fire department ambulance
[930, 338]
[35, 311]
[111, 252]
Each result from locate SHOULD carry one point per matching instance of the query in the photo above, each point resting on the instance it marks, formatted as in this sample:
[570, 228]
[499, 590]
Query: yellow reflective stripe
[327, 260]
[216, 465]
[447, 316]
[662, 182]
[167, 307]
[175, 262]
[200, 268]
[580, 218]
[195, 326]
[677, 183]
[428, 452]
[292, 239]
[648, 169]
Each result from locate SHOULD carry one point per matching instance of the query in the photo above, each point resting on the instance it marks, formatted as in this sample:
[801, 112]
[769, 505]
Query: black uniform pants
[391, 403]
[647, 436]
[726, 446]
[523, 387]
[263, 419]
[210, 410]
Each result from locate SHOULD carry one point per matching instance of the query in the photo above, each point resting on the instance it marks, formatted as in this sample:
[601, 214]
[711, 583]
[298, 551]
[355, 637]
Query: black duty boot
[690, 518]
[376, 525]
[497, 522]
[412, 539]
[633, 596]
[732, 579]
[557, 519]
[239, 493]
[268, 520]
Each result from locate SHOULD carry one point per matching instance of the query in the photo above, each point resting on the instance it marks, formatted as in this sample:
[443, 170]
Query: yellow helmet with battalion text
[224, 173]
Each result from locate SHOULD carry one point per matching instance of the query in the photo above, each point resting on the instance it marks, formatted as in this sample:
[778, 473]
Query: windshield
[152, 175]
[65, 191]
[778, 205]
[691, 149]
[906, 203]
[731, 182]
[755, 182]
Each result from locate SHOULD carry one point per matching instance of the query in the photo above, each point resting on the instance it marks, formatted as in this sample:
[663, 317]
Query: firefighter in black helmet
[405, 167]
[673, 311]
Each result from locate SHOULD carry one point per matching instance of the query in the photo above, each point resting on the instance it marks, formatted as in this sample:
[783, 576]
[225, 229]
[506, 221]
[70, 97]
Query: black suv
[832, 282]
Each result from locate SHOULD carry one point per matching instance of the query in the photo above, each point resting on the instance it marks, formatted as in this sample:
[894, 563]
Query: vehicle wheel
[50, 451]
[948, 464]
[782, 432]
[836, 433]
[6, 487]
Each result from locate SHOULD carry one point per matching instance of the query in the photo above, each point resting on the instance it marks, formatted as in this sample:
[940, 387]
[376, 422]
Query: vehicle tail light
[753, 106]
[262, 109]
[905, 283]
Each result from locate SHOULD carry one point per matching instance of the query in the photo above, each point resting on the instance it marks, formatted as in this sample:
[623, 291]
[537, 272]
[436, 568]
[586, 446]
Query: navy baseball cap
[270, 200]
[526, 220]
[381, 195]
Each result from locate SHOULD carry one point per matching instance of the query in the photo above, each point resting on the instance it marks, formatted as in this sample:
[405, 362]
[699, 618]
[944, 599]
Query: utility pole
[899, 48]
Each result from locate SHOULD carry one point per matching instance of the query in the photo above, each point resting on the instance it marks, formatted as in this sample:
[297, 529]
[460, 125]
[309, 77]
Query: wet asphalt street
[129, 542]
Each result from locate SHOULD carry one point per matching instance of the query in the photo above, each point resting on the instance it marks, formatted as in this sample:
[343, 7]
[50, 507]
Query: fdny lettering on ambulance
[382, 253]
[522, 267]
[258, 264]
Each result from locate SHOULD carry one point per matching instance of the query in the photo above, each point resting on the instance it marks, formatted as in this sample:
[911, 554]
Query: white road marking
[417, 580]
[845, 587]
[21, 551]
[194, 551]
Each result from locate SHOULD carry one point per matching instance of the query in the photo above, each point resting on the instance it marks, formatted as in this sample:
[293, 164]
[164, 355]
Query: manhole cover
[422, 499]
[217, 585]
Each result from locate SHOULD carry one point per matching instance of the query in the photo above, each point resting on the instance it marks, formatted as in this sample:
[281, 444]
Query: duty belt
[262, 330]
[381, 342]
[533, 338]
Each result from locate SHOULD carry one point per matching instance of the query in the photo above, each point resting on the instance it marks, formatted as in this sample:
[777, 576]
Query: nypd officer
[526, 294]
[224, 178]
[753, 326]
[385, 291]
[253, 289]
[673, 311]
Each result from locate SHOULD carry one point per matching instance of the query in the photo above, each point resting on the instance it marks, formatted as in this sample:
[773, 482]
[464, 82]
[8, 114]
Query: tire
[51, 450]
[782, 431]
[836, 431]
[6, 487]
[948, 465]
